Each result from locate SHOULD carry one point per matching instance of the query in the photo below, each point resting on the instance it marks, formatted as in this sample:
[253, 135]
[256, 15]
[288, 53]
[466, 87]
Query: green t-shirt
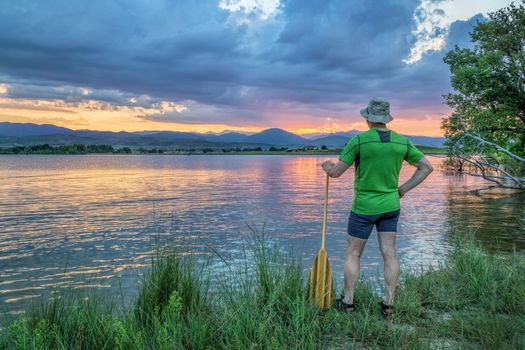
[378, 157]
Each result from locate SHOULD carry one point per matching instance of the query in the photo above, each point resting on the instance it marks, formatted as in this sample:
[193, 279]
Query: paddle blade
[320, 288]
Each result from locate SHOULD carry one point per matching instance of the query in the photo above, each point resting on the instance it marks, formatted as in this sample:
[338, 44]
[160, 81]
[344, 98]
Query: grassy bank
[472, 301]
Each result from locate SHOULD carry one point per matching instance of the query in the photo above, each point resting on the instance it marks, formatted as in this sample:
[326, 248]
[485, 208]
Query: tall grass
[474, 300]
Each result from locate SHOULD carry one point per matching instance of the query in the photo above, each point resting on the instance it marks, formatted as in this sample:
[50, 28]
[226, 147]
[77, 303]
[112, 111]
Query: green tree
[124, 150]
[488, 122]
[490, 79]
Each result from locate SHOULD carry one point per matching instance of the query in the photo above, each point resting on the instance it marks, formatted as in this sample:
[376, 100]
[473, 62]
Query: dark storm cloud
[231, 68]
[167, 49]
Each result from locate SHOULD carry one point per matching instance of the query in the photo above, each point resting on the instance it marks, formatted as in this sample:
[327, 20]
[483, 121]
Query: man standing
[378, 155]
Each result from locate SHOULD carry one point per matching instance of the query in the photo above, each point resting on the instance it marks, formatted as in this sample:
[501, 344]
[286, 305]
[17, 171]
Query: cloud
[263, 9]
[73, 123]
[82, 100]
[433, 19]
[3, 89]
[431, 29]
[75, 96]
[234, 62]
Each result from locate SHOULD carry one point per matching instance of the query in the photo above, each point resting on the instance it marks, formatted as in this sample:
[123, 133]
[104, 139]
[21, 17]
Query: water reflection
[87, 221]
[494, 217]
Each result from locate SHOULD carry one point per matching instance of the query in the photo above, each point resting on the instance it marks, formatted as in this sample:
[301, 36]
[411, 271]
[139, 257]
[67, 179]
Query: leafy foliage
[490, 82]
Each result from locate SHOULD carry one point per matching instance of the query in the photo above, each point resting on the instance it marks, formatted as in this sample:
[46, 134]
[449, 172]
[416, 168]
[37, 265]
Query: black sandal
[344, 306]
[386, 310]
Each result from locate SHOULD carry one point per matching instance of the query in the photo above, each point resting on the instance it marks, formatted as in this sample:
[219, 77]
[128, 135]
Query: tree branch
[499, 148]
[491, 178]
[478, 159]
[497, 168]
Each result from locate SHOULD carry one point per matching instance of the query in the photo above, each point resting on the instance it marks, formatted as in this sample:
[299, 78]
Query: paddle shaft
[325, 211]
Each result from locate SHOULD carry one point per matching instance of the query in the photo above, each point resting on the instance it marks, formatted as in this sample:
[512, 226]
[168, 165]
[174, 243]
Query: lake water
[91, 221]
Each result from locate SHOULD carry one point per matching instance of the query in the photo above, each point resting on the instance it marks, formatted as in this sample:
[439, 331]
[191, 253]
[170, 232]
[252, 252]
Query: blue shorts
[361, 226]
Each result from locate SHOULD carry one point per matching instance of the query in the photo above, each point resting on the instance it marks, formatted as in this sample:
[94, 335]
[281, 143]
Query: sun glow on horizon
[94, 115]
[429, 127]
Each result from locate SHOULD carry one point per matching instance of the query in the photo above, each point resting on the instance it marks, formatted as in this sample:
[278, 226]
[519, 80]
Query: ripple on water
[91, 221]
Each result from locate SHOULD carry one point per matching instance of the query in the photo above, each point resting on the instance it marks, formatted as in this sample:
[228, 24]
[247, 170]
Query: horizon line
[213, 132]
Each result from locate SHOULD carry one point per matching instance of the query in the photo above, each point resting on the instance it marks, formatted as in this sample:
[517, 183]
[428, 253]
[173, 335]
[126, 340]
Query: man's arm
[346, 158]
[424, 168]
[335, 170]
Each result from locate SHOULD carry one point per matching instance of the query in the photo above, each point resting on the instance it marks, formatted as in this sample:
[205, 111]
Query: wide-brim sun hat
[377, 111]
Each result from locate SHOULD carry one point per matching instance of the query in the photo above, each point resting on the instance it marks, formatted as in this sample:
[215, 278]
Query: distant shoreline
[425, 149]
[5, 151]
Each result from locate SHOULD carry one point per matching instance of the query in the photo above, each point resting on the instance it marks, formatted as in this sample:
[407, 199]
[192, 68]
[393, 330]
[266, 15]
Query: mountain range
[12, 134]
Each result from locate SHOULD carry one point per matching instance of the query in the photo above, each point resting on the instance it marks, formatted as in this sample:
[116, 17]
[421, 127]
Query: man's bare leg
[352, 266]
[387, 245]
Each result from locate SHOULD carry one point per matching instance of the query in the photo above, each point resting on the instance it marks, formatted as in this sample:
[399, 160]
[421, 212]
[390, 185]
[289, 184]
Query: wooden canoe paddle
[321, 287]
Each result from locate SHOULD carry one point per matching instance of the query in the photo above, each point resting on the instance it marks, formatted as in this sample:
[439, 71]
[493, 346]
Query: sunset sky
[306, 66]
